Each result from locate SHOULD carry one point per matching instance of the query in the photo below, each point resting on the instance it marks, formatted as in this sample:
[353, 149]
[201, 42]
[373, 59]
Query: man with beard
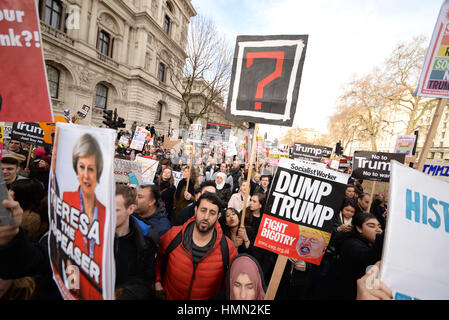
[193, 259]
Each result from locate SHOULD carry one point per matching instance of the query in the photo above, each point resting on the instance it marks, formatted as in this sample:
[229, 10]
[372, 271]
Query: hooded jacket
[159, 220]
[185, 281]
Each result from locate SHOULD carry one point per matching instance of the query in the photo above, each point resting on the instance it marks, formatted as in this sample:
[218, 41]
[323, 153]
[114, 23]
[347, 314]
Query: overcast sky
[346, 37]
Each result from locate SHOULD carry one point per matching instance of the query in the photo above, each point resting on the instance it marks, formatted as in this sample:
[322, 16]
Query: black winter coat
[355, 256]
[225, 195]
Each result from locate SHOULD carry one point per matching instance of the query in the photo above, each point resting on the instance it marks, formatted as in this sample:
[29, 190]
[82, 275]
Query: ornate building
[110, 54]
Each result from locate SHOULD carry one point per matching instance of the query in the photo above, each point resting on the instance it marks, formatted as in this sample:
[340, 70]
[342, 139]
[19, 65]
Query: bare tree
[207, 70]
[403, 69]
[369, 100]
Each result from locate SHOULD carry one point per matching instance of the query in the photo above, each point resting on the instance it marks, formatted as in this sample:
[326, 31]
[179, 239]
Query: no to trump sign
[303, 199]
[374, 166]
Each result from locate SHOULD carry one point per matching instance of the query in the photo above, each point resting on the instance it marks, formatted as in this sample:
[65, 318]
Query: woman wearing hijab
[245, 279]
[224, 190]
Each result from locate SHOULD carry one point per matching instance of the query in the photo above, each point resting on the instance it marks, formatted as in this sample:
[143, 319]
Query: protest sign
[217, 132]
[374, 166]
[434, 78]
[302, 201]
[335, 164]
[149, 168]
[124, 140]
[126, 171]
[260, 143]
[284, 155]
[273, 158]
[7, 133]
[81, 212]
[22, 64]
[188, 149]
[230, 148]
[49, 128]
[415, 254]
[195, 133]
[28, 132]
[177, 176]
[311, 152]
[171, 144]
[139, 139]
[2, 132]
[266, 75]
[437, 168]
[404, 144]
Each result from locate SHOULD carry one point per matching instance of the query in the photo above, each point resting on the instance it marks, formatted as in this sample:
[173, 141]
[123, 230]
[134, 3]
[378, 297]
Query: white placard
[415, 254]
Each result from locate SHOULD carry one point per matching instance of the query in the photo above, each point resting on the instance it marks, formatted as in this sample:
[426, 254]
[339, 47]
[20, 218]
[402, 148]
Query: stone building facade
[110, 54]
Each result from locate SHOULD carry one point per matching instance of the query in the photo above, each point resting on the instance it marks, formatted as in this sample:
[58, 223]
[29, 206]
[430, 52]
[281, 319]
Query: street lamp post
[169, 126]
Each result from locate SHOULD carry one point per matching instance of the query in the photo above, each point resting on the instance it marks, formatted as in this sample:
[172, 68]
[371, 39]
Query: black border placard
[374, 166]
[280, 97]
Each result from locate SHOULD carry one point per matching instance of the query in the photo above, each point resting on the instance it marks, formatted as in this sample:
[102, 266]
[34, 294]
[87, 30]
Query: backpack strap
[225, 256]
[173, 244]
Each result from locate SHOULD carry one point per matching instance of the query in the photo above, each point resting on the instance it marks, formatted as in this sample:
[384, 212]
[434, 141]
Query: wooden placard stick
[371, 195]
[250, 170]
[431, 134]
[190, 167]
[29, 155]
[276, 277]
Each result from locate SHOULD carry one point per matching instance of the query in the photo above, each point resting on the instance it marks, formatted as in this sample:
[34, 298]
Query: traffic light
[107, 116]
[338, 149]
[120, 123]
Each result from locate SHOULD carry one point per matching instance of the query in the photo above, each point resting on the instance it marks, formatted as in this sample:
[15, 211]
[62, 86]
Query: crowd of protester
[186, 240]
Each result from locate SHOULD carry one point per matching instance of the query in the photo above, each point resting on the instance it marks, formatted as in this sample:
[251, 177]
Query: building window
[53, 13]
[104, 43]
[169, 6]
[167, 23]
[432, 155]
[53, 81]
[159, 111]
[441, 155]
[161, 72]
[101, 96]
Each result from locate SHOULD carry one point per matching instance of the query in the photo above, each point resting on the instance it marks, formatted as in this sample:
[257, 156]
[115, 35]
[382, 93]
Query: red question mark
[279, 56]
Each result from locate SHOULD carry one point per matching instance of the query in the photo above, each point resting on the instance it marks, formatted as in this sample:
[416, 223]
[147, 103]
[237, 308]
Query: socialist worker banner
[24, 94]
[81, 212]
[303, 199]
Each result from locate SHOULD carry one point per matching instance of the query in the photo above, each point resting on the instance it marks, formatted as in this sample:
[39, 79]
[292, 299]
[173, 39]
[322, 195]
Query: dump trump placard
[303, 199]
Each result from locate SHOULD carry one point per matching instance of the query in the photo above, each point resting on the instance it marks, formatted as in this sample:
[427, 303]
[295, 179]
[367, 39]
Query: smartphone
[5, 214]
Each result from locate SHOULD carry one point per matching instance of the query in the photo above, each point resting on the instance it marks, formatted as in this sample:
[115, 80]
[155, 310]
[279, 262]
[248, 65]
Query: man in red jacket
[195, 268]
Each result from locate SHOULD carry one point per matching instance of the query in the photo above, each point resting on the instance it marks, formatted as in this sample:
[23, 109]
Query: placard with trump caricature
[297, 219]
